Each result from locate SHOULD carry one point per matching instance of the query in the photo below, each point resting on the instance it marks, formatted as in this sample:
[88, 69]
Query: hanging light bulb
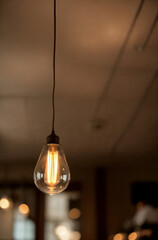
[52, 174]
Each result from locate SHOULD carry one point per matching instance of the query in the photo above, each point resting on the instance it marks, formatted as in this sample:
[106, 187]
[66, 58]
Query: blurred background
[106, 117]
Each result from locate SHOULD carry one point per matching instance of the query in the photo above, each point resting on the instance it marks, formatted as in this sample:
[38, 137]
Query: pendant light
[51, 173]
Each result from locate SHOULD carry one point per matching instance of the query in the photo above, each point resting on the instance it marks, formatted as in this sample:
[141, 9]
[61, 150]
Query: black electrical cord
[53, 138]
[54, 54]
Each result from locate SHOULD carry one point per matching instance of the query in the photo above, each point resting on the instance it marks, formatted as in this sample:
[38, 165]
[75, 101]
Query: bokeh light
[62, 232]
[4, 203]
[75, 213]
[119, 236]
[24, 209]
[75, 235]
[133, 236]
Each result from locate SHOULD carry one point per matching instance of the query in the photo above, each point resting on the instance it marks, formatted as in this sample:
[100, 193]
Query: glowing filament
[51, 171]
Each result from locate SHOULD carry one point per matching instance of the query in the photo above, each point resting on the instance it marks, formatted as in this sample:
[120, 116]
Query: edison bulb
[52, 174]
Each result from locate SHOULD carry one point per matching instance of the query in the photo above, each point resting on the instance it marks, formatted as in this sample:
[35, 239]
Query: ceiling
[106, 79]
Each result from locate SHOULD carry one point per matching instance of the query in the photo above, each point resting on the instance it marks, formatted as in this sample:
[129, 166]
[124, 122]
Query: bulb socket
[53, 138]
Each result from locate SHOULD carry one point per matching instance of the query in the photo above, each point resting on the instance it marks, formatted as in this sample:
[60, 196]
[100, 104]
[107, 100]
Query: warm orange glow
[51, 171]
[75, 213]
[75, 235]
[62, 232]
[4, 203]
[133, 236]
[24, 209]
[119, 236]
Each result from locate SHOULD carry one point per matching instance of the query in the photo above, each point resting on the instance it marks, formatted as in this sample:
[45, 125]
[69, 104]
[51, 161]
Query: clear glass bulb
[52, 174]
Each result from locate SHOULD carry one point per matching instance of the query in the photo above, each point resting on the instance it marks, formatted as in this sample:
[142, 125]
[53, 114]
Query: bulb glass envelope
[52, 174]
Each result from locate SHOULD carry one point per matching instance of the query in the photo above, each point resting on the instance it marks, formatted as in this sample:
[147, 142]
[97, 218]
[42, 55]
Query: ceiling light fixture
[52, 174]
